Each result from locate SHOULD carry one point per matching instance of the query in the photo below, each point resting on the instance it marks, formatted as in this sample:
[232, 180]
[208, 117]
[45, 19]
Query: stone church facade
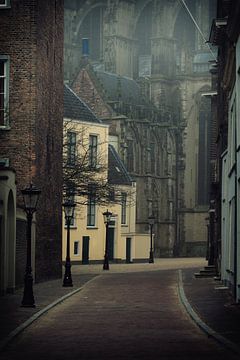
[145, 70]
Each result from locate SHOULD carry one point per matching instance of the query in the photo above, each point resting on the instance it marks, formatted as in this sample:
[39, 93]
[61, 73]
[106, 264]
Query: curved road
[118, 316]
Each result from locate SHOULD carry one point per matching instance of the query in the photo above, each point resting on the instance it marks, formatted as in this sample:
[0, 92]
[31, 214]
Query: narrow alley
[127, 315]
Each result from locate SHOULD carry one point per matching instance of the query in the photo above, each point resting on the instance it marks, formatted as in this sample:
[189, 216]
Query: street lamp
[207, 226]
[69, 207]
[151, 220]
[211, 211]
[107, 217]
[30, 199]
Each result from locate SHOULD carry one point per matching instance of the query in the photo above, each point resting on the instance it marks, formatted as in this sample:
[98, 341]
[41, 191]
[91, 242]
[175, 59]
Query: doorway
[128, 250]
[85, 250]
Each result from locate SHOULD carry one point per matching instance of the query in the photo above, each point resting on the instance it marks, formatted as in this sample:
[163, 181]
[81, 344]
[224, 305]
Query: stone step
[204, 274]
[213, 271]
[210, 267]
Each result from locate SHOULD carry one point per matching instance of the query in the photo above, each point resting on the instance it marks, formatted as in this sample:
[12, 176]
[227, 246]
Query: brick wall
[32, 35]
[84, 87]
[21, 251]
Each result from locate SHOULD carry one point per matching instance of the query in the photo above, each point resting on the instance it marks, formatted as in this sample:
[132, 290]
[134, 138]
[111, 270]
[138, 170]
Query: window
[152, 157]
[4, 4]
[71, 148]
[91, 207]
[111, 195]
[4, 85]
[130, 155]
[124, 209]
[93, 144]
[76, 248]
[92, 28]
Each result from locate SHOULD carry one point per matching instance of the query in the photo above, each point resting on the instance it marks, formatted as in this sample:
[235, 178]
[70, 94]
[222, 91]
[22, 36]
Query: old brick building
[224, 236]
[148, 72]
[31, 113]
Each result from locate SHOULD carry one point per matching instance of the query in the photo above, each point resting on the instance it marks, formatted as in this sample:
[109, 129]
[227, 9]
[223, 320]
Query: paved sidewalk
[12, 315]
[210, 301]
[214, 305]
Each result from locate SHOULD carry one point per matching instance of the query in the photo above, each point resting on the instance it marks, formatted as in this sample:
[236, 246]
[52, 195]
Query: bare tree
[85, 170]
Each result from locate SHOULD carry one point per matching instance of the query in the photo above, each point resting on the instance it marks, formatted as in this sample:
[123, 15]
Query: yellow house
[89, 152]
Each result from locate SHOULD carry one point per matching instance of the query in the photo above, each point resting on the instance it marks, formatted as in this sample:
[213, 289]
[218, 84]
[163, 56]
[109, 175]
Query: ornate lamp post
[107, 217]
[30, 199]
[208, 245]
[69, 207]
[151, 220]
[211, 211]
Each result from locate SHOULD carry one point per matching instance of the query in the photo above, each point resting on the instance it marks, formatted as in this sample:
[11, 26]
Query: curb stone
[201, 324]
[4, 342]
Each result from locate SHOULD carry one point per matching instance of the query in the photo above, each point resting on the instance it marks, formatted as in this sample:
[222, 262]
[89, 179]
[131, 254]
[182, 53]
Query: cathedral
[143, 67]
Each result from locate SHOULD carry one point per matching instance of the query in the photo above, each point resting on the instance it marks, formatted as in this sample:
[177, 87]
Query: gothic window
[204, 152]
[71, 148]
[144, 35]
[92, 28]
[130, 156]
[152, 157]
[4, 88]
[137, 157]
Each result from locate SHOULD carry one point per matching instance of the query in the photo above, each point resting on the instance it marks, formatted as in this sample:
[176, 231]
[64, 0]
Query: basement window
[4, 4]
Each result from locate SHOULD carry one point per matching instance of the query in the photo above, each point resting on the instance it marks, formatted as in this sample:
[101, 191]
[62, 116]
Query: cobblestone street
[128, 315]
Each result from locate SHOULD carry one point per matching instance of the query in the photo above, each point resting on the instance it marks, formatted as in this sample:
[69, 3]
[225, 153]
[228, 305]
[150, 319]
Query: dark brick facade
[32, 36]
[21, 251]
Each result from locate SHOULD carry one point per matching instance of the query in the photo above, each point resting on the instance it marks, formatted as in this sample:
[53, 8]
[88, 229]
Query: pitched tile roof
[75, 108]
[117, 172]
[120, 88]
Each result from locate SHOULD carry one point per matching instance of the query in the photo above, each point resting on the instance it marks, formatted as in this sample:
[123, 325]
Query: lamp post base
[151, 259]
[106, 263]
[28, 298]
[67, 281]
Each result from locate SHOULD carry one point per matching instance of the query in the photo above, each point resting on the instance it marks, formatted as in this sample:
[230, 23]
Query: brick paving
[120, 315]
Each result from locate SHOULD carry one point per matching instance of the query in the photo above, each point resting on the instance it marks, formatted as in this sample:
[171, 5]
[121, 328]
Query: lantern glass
[151, 220]
[107, 217]
[30, 198]
[69, 207]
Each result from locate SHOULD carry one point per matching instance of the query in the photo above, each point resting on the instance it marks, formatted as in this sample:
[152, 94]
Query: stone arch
[85, 10]
[141, 5]
[7, 230]
[93, 30]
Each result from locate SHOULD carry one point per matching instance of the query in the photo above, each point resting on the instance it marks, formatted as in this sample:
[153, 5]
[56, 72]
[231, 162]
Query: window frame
[93, 151]
[123, 208]
[5, 59]
[76, 253]
[6, 5]
[71, 148]
[91, 210]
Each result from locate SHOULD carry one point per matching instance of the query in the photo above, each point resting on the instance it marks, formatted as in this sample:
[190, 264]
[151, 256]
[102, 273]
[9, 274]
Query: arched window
[143, 35]
[204, 150]
[92, 29]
